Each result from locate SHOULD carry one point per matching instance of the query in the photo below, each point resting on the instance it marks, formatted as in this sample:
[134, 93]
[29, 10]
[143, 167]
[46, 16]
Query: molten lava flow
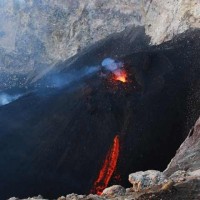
[108, 168]
[120, 75]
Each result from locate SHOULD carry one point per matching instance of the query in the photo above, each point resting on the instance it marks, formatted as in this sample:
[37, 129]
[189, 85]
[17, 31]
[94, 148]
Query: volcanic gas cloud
[7, 98]
[117, 68]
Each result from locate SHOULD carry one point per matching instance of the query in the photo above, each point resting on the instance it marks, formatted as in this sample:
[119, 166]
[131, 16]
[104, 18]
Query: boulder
[72, 196]
[62, 198]
[146, 179]
[94, 197]
[114, 190]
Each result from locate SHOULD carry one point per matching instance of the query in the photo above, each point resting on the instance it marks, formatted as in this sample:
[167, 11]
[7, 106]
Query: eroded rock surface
[143, 180]
[188, 155]
[34, 35]
[114, 190]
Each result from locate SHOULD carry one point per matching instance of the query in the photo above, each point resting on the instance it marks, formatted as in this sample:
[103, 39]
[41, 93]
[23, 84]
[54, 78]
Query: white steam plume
[7, 98]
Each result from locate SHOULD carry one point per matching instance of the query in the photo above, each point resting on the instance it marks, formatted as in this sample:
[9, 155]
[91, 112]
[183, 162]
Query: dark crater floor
[54, 141]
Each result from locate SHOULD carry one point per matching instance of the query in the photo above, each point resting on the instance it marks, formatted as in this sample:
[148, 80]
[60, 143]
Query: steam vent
[96, 94]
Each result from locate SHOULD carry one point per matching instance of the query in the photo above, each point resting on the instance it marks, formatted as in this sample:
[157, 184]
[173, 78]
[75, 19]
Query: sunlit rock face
[34, 35]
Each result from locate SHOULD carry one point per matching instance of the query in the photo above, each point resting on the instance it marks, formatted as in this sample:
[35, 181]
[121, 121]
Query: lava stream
[108, 168]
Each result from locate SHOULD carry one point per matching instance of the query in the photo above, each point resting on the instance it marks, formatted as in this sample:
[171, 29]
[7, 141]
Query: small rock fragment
[72, 197]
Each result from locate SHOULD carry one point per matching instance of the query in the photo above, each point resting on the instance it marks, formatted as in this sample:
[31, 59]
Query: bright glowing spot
[120, 75]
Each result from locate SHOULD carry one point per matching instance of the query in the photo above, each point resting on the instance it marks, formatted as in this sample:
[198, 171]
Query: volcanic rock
[143, 180]
[74, 197]
[94, 197]
[178, 176]
[62, 198]
[39, 197]
[114, 190]
[13, 198]
[187, 156]
[195, 173]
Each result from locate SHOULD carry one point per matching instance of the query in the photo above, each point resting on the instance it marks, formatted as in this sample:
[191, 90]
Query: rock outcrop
[35, 35]
[39, 197]
[188, 155]
[114, 191]
[143, 180]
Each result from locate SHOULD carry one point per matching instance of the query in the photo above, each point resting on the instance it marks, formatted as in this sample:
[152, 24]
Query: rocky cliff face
[187, 157]
[34, 35]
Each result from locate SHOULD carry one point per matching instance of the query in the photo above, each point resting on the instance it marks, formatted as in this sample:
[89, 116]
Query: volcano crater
[58, 142]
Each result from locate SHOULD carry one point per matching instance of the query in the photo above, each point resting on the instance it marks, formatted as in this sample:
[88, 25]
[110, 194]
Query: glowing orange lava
[120, 75]
[108, 168]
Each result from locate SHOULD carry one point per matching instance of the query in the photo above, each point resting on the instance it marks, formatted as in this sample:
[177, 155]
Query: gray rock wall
[187, 156]
[36, 34]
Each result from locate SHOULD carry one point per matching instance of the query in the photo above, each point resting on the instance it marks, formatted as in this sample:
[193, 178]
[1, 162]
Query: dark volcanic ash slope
[54, 141]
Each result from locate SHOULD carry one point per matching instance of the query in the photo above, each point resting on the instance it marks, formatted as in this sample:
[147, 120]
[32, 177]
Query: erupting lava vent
[120, 75]
[108, 167]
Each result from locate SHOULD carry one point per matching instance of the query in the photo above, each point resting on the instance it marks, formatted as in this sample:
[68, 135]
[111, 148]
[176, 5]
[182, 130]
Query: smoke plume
[117, 68]
[7, 98]
[111, 65]
[64, 79]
